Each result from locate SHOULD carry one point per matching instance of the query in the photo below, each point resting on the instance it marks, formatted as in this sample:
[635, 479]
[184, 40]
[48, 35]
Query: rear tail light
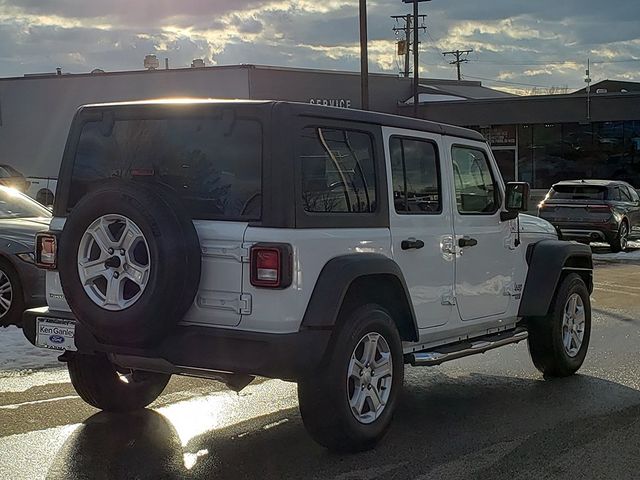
[271, 265]
[599, 208]
[46, 250]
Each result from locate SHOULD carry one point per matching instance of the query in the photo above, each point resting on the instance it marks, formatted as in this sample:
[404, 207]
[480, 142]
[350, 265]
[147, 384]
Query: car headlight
[28, 257]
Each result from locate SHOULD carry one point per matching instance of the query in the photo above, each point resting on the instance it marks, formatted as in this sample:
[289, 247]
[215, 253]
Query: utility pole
[364, 58]
[587, 80]
[458, 54]
[416, 64]
[405, 46]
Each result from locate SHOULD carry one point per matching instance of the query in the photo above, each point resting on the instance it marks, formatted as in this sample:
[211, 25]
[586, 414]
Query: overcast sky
[517, 44]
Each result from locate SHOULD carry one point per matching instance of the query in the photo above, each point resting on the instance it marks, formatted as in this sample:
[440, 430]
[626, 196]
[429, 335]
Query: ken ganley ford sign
[332, 102]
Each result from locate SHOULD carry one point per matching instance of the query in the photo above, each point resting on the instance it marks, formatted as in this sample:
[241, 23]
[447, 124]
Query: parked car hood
[531, 224]
[22, 230]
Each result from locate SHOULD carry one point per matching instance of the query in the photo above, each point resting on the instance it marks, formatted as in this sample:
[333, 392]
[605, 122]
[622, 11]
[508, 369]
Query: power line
[460, 58]
[557, 62]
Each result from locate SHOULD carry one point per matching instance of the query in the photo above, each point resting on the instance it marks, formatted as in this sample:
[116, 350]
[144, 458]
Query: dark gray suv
[593, 211]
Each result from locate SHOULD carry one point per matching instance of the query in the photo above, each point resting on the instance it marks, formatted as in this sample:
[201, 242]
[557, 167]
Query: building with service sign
[538, 139]
[544, 139]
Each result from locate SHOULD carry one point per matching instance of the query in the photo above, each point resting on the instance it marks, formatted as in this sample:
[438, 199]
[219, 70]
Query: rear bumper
[587, 232]
[286, 356]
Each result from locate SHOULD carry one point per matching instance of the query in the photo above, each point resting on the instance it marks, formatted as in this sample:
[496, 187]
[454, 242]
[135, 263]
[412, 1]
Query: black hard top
[321, 111]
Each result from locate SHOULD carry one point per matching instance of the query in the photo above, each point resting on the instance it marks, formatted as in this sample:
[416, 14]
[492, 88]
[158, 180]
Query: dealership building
[538, 139]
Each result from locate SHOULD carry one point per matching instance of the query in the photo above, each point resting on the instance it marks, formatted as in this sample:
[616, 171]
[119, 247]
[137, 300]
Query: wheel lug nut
[369, 387]
[361, 373]
[110, 251]
[122, 251]
[116, 274]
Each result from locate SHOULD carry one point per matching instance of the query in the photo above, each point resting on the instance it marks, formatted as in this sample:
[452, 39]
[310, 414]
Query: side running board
[466, 348]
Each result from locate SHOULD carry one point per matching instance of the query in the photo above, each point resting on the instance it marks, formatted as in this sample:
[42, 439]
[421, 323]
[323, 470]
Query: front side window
[416, 176]
[476, 191]
[338, 171]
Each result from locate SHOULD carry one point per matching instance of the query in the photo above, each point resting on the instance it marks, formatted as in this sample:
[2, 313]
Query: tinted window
[476, 191]
[578, 192]
[634, 195]
[338, 171]
[212, 163]
[415, 175]
[625, 195]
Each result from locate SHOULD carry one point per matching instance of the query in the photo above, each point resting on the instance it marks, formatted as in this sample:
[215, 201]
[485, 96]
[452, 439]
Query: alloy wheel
[6, 294]
[114, 262]
[573, 325]
[369, 378]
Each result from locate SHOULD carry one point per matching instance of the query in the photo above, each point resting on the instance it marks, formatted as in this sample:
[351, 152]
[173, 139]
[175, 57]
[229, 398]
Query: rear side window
[578, 192]
[338, 171]
[416, 176]
[213, 164]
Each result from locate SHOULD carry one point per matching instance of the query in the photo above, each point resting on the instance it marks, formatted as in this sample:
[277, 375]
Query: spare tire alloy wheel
[369, 378]
[114, 263]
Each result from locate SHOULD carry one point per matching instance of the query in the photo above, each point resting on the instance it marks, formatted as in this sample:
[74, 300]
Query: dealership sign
[332, 102]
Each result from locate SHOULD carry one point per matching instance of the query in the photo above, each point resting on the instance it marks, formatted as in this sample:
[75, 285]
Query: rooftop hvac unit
[151, 62]
[197, 63]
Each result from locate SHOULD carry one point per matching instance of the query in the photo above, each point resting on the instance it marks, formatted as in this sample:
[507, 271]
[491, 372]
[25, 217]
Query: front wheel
[348, 404]
[559, 341]
[102, 385]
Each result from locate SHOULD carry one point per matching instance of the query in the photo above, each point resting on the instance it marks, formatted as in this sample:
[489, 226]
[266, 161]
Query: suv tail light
[599, 208]
[271, 265]
[46, 250]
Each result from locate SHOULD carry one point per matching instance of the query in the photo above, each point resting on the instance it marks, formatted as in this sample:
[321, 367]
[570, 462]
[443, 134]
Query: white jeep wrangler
[324, 246]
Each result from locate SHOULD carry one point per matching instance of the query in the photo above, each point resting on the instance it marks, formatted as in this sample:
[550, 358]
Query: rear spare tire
[129, 262]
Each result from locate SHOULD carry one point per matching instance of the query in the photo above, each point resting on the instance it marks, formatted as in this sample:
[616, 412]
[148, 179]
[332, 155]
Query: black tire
[619, 243]
[546, 333]
[97, 382]
[323, 396]
[12, 316]
[174, 259]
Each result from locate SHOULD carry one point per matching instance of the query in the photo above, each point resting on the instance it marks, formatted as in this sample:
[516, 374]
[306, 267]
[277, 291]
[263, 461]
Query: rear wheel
[11, 296]
[348, 404]
[102, 385]
[558, 342]
[619, 244]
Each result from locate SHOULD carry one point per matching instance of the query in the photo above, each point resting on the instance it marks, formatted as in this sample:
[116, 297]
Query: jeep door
[485, 246]
[421, 223]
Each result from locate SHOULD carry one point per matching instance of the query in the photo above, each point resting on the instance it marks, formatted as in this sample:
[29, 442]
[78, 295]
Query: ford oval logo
[56, 339]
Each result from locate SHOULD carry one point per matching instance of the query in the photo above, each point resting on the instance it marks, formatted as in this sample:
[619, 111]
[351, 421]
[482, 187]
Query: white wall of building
[36, 112]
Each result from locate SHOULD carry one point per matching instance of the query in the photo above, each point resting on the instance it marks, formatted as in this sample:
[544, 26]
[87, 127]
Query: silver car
[21, 282]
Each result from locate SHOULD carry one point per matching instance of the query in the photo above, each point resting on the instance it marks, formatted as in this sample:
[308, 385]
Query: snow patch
[18, 356]
[602, 251]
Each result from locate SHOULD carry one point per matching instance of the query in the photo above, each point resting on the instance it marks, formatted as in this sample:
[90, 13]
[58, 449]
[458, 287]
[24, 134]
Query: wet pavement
[491, 416]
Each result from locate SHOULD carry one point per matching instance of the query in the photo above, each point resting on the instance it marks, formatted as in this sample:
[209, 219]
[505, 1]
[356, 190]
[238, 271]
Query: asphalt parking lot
[491, 416]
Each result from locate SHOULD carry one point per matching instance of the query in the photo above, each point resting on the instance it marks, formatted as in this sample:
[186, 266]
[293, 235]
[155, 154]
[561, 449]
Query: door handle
[467, 242]
[411, 243]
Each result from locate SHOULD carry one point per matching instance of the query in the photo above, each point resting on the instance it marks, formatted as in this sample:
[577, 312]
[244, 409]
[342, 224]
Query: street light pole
[364, 58]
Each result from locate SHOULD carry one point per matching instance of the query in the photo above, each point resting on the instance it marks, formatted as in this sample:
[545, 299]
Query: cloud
[543, 43]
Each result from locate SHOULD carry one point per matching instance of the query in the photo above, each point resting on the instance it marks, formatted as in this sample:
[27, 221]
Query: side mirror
[516, 200]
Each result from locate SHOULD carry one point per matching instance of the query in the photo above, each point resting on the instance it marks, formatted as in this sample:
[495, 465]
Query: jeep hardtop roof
[311, 110]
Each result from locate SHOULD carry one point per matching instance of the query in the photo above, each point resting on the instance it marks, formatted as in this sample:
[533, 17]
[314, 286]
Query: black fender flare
[334, 281]
[548, 260]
